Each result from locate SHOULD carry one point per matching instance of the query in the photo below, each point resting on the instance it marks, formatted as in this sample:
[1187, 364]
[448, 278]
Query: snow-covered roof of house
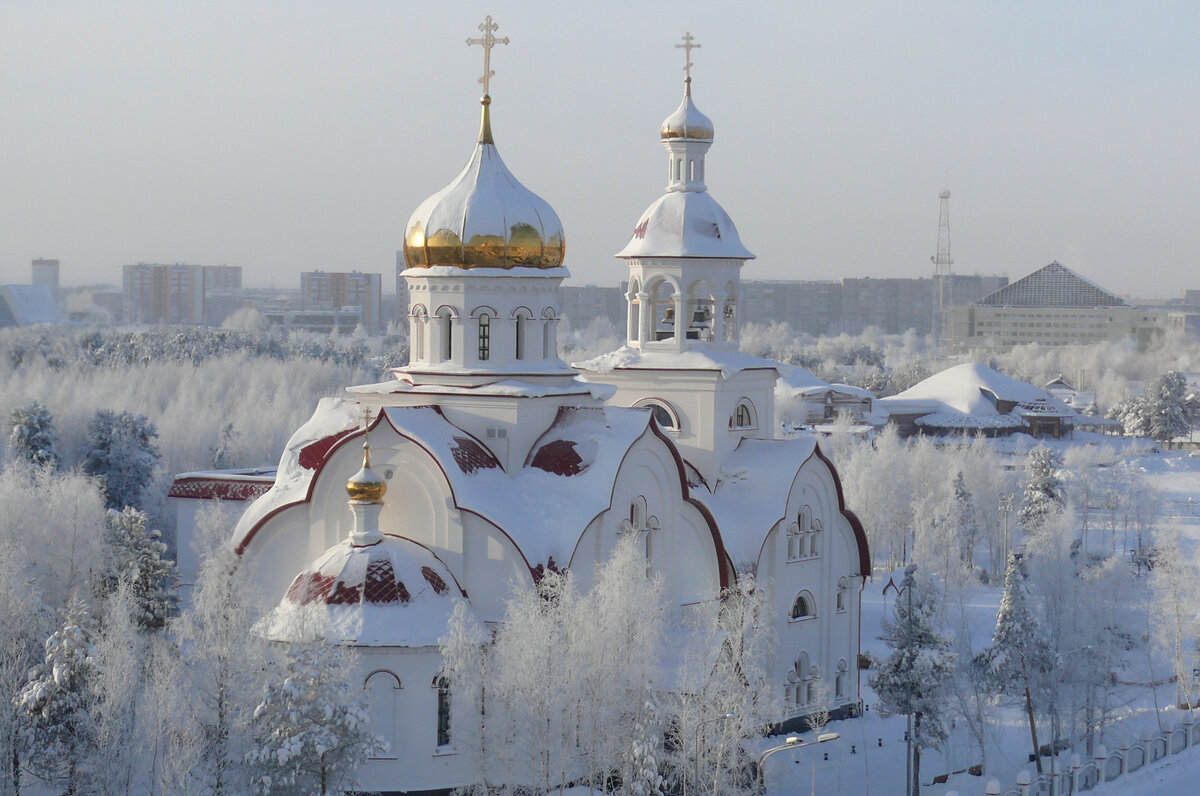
[685, 224]
[965, 396]
[795, 380]
[25, 305]
[394, 592]
[627, 358]
[1053, 285]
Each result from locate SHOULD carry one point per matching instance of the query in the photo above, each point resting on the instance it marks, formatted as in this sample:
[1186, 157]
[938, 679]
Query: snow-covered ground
[869, 756]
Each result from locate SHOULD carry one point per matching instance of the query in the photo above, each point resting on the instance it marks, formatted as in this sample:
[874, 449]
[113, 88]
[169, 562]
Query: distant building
[45, 273]
[1052, 306]
[581, 304]
[174, 294]
[25, 305]
[332, 290]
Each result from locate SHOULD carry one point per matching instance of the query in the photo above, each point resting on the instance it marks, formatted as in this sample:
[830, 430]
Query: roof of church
[628, 358]
[685, 224]
[395, 592]
[1052, 286]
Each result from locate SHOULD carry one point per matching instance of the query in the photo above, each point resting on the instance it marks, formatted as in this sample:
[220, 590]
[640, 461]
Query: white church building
[491, 456]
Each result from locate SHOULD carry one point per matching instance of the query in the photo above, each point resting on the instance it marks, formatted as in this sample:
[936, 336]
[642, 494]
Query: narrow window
[443, 712]
[485, 337]
[691, 170]
[547, 342]
[520, 337]
[447, 336]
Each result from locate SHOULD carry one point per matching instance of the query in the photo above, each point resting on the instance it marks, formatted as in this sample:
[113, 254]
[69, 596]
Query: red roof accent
[318, 587]
[639, 231]
[470, 456]
[201, 488]
[314, 453]
[381, 586]
[434, 580]
[559, 457]
[343, 594]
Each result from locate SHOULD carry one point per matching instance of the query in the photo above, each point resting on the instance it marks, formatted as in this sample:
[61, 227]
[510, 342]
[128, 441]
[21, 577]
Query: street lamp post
[792, 742]
[699, 727]
[1006, 507]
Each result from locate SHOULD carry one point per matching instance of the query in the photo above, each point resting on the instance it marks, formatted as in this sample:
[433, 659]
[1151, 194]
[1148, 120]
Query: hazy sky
[295, 135]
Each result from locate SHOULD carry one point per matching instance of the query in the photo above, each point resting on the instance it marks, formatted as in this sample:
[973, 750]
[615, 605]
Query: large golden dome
[484, 218]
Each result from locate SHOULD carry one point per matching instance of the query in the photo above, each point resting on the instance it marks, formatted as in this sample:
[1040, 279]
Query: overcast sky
[295, 135]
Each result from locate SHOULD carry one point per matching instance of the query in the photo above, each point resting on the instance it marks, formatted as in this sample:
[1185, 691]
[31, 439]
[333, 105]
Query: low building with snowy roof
[974, 399]
[27, 305]
[491, 459]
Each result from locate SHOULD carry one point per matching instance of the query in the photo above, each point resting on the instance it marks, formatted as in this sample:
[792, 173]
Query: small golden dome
[485, 218]
[366, 486]
[687, 121]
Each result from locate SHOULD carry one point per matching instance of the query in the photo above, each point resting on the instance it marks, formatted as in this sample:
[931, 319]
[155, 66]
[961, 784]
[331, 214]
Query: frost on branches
[1160, 412]
[1042, 494]
[310, 732]
[136, 556]
[32, 436]
[121, 452]
[915, 678]
[55, 701]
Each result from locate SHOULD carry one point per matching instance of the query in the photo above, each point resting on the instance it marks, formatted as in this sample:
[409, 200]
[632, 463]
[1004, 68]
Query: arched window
[443, 710]
[743, 415]
[803, 607]
[446, 330]
[547, 339]
[520, 343]
[793, 542]
[664, 414]
[839, 682]
[795, 685]
[383, 687]
[814, 537]
[842, 588]
[485, 337]
[419, 319]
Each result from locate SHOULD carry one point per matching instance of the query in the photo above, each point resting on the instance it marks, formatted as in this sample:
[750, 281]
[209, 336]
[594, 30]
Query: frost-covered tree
[32, 437]
[1160, 412]
[58, 727]
[642, 776]
[222, 662]
[116, 684]
[311, 731]
[135, 556]
[1020, 655]
[121, 452]
[1176, 627]
[915, 678]
[1041, 490]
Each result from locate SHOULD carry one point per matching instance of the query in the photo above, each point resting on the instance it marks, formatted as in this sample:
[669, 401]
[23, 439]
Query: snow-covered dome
[685, 224]
[687, 121]
[484, 218]
[394, 592]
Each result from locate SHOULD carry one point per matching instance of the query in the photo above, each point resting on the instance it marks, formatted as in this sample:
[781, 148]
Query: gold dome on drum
[687, 121]
[366, 486]
[485, 218]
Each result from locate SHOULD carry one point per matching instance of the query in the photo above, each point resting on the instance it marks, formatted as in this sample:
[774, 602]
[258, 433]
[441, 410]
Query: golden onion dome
[366, 486]
[484, 218]
[687, 121]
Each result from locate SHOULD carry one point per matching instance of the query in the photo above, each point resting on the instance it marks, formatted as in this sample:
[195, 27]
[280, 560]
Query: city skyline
[300, 136]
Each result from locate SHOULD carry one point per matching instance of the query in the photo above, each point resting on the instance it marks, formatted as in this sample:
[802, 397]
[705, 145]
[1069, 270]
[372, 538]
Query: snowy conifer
[55, 701]
[1042, 490]
[32, 436]
[915, 678]
[134, 555]
[310, 732]
[121, 452]
[1159, 412]
[1020, 656]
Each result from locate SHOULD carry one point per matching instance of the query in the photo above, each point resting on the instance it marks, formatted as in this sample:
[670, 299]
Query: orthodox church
[488, 455]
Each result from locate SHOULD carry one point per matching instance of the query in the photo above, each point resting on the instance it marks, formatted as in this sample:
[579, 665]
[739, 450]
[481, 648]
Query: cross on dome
[687, 47]
[488, 40]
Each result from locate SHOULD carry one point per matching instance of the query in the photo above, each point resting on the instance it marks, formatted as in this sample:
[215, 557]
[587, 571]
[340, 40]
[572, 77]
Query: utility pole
[943, 297]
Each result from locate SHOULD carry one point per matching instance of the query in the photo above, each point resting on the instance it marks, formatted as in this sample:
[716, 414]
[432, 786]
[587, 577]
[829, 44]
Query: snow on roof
[28, 304]
[756, 468]
[627, 358]
[797, 379]
[509, 387]
[566, 481]
[960, 420]
[453, 270]
[395, 592]
[961, 390]
[685, 224]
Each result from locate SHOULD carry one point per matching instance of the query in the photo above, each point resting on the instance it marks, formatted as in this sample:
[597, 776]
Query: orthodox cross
[687, 48]
[488, 40]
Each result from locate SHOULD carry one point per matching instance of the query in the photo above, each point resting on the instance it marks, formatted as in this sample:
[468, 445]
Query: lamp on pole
[699, 727]
[792, 742]
[1006, 507]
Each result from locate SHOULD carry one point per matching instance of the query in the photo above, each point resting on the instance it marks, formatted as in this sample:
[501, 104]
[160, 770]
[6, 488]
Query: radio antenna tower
[943, 297]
